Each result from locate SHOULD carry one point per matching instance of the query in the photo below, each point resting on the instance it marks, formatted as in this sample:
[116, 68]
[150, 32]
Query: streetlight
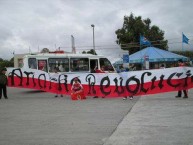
[93, 38]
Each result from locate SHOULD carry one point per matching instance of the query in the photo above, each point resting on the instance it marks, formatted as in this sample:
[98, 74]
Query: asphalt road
[31, 117]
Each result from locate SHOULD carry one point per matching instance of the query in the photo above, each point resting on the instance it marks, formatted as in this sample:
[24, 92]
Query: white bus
[71, 63]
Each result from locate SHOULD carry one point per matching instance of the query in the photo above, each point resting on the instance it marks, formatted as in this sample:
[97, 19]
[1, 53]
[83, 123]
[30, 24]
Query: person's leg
[5, 91]
[185, 94]
[0, 91]
[179, 94]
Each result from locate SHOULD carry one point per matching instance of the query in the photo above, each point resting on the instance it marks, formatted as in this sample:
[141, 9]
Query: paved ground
[158, 119]
[37, 118]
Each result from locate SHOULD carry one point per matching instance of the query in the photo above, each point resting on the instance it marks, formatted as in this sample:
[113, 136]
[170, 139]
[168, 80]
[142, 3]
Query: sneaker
[124, 98]
[61, 96]
[56, 96]
[177, 96]
[95, 97]
[131, 98]
[185, 97]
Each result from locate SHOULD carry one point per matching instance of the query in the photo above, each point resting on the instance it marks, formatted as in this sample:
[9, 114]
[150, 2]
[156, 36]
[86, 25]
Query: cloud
[33, 23]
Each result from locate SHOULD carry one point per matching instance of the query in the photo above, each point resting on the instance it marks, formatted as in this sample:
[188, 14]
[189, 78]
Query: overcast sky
[30, 25]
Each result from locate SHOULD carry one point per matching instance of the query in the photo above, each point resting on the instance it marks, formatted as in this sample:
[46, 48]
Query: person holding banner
[56, 70]
[77, 90]
[182, 64]
[162, 66]
[102, 70]
[3, 83]
[132, 67]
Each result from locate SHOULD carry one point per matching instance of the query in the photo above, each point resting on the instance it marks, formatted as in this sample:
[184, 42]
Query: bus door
[93, 64]
[43, 65]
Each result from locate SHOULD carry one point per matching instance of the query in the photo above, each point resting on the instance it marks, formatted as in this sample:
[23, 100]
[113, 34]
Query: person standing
[182, 64]
[56, 70]
[162, 66]
[102, 70]
[132, 67]
[3, 83]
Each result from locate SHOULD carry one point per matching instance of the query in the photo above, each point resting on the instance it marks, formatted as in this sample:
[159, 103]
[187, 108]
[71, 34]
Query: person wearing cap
[3, 83]
[182, 64]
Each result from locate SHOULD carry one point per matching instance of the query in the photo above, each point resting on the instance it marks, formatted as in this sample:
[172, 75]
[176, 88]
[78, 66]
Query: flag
[144, 41]
[184, 39]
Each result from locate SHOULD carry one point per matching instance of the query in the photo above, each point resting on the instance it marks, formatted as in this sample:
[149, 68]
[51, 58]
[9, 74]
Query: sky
[31, 25]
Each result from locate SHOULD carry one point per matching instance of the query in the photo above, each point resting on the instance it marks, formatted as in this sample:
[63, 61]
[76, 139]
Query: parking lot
[32, 117]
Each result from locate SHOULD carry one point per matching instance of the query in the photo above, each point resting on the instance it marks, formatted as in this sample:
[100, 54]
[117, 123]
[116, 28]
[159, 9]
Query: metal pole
[93, 38]
[73, 44]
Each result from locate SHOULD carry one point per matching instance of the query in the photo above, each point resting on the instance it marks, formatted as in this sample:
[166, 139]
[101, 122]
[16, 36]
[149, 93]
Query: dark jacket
[3, 79]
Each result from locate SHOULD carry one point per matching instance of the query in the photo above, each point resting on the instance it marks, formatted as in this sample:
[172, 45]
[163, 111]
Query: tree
[128, 36]
[84, 52]
[45, 50]
[185, 53]
[12, 59]
[92, 51]
[6, 63]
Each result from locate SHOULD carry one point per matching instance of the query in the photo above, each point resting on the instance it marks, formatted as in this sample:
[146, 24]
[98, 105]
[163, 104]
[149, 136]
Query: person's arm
[72, 88]
[81, 86]
[6, 80]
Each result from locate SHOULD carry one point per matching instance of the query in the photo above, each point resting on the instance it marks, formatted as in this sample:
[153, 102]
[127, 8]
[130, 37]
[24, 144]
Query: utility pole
[93, 38]
[73, 44]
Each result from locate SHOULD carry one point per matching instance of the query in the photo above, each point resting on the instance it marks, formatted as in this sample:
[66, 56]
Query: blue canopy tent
[155, 55]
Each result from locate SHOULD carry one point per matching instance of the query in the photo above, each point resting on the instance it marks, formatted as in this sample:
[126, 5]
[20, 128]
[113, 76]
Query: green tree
[12, 59]
[45, 50]
[128, 36]
[92, 51]
[188, 54]
[6, 63]
[84, 52]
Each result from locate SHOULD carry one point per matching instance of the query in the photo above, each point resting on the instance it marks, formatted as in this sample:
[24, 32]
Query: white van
[71, 63]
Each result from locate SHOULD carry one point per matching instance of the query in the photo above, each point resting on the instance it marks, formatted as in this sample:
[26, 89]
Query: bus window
[106, 63]
[61, 63]
[79, 64]
[42, 65]
[93, 65]
[32, 63]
